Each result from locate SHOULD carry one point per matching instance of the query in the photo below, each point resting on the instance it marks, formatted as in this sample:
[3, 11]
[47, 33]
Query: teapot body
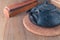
[45, 15]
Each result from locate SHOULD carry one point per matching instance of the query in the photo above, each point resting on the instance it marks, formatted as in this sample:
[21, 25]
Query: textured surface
[14, 29]
[56, 3]
[45, 15]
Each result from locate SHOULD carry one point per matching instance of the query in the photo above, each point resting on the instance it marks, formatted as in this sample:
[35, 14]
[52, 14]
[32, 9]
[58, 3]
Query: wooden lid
[39, 30]
[56, 3]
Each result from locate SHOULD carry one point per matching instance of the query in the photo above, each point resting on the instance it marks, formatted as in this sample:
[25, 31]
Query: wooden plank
[15, 8]
[14, 29]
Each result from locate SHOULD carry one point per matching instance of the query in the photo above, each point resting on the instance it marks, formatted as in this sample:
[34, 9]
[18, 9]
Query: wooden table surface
[13, 28]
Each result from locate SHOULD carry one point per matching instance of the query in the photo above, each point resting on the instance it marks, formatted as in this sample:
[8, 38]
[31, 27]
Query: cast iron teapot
[45, 15]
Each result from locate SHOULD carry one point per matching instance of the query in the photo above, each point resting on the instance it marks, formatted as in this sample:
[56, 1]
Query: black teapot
[45, 15]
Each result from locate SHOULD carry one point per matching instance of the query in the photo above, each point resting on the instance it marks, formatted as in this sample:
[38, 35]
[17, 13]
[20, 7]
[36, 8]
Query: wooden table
[13, 28]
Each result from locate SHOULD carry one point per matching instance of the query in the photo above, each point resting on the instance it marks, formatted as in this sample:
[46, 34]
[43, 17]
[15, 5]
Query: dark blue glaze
[45, 15]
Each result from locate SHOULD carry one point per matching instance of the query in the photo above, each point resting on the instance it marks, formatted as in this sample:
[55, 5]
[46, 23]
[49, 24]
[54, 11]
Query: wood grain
[56, 3]
[15, 8]
[14, 29]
